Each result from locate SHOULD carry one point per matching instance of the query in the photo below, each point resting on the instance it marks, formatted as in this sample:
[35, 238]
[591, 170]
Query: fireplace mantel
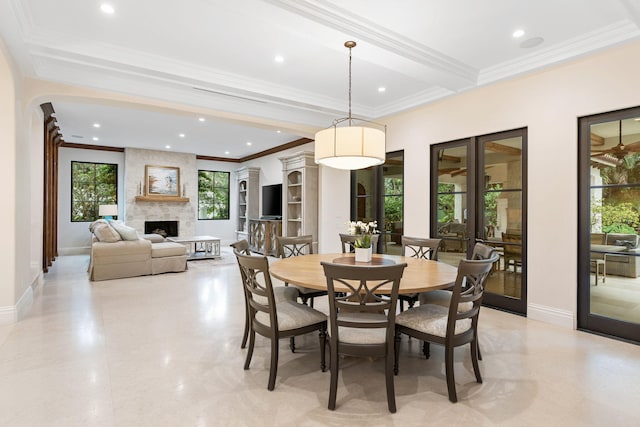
[162, 199]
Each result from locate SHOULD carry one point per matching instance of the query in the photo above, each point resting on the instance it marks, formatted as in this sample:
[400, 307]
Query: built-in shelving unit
[248, 197]
[300, 195]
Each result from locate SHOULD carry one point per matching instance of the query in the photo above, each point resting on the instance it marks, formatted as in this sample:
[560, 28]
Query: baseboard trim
[8, 315]
[14, 313]
[552, 315]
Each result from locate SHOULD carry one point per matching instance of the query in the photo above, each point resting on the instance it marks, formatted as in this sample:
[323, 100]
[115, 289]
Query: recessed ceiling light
[95, 138]
[107, 8]
[248, 142]
[181, 135]
[167, 147]
[278, 131]
[517, 34]
[226, 152]
[637, 119]
[201, 119]
[382, 89]
[96, 125]
[279, 59]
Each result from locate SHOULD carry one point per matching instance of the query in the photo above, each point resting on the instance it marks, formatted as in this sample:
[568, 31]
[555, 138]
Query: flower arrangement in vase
[362, 243]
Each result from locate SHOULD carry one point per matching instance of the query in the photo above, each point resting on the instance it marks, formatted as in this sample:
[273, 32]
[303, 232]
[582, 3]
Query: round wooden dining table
[420, 275]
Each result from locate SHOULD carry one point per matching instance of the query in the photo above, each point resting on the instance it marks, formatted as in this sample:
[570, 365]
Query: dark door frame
[475, 159]
[586, 320]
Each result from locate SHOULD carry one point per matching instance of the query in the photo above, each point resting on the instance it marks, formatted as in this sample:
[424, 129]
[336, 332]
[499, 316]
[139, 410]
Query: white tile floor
[165, 351]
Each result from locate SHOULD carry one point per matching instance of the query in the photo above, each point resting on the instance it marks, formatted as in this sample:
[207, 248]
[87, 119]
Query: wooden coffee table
[199, 247]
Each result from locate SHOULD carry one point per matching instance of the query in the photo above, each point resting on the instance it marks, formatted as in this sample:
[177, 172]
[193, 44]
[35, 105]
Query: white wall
[10, 289]
[74, 237]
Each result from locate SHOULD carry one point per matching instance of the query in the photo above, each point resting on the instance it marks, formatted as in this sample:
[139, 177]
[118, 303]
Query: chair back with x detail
[297, 246]
[417, 247]
[362, 317]
[294, 246]
[426, 322]
[275, 319]
[348, 241]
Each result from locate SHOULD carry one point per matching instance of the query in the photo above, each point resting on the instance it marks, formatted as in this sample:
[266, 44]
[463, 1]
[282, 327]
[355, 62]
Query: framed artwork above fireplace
[162, 181]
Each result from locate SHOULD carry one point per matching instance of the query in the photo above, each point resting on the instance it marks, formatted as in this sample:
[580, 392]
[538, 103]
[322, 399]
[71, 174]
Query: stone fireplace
[138, 212]
[163, 228]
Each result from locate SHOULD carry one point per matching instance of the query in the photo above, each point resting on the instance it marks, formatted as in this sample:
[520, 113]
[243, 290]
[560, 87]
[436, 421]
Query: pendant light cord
[350, 86]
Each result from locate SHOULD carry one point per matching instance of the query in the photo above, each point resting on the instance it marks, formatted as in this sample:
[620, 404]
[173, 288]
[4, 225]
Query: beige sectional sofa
[113, 258]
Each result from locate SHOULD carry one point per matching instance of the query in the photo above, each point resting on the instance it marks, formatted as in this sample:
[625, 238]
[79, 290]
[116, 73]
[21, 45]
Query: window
[92, 185]
[213, 195]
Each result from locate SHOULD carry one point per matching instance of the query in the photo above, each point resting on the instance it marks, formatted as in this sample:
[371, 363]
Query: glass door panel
[609, 269]
[392, 226]
[478, 195]
[501, 215]
[451, 226]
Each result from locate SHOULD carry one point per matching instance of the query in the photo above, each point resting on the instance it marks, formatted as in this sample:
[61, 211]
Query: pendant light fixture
[345, 146]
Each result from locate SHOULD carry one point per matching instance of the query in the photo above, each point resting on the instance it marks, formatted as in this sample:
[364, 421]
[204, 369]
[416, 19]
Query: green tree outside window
[92, 185]
[213, 195]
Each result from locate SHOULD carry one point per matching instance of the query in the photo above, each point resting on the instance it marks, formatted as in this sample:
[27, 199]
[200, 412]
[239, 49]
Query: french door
[377, 194]
[478, 194]
[609, 224]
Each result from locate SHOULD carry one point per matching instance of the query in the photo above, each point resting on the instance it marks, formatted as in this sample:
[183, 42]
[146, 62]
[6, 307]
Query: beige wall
[548, 104]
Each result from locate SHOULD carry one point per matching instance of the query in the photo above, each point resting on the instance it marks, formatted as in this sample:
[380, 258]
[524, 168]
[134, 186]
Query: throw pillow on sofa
[96, 223]
[106, 233]
[126, 232]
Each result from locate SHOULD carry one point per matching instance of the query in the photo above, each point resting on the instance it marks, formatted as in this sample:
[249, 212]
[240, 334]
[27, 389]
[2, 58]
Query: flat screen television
[272, 201]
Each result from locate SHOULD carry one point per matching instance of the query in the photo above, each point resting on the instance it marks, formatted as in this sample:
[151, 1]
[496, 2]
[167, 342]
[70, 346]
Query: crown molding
[332, 16]
[589, 43]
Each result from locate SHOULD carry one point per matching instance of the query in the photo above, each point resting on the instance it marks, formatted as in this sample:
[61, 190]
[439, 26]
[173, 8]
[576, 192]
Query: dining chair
[443, 296]
[451, 326]
[418, 247]
[275, 319]
[296, 246]
[348, 241]
[361, 321]
[280, 293]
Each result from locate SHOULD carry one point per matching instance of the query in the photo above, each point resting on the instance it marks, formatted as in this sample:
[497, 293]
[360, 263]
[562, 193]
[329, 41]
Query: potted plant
[362, 243]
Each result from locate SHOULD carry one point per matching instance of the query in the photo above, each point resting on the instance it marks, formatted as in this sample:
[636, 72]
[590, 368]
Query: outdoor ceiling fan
[620, 150]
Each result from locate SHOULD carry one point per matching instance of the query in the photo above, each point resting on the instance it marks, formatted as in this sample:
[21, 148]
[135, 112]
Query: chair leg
[252, 340]
[401, 306]
[475, 350]
[245, 335]
[396, 352]
[292, 344]
[323, 349]
[448, 367]
[388, 372]
[333, 387]
[311, 302]
[426, 350]
[273, 370]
